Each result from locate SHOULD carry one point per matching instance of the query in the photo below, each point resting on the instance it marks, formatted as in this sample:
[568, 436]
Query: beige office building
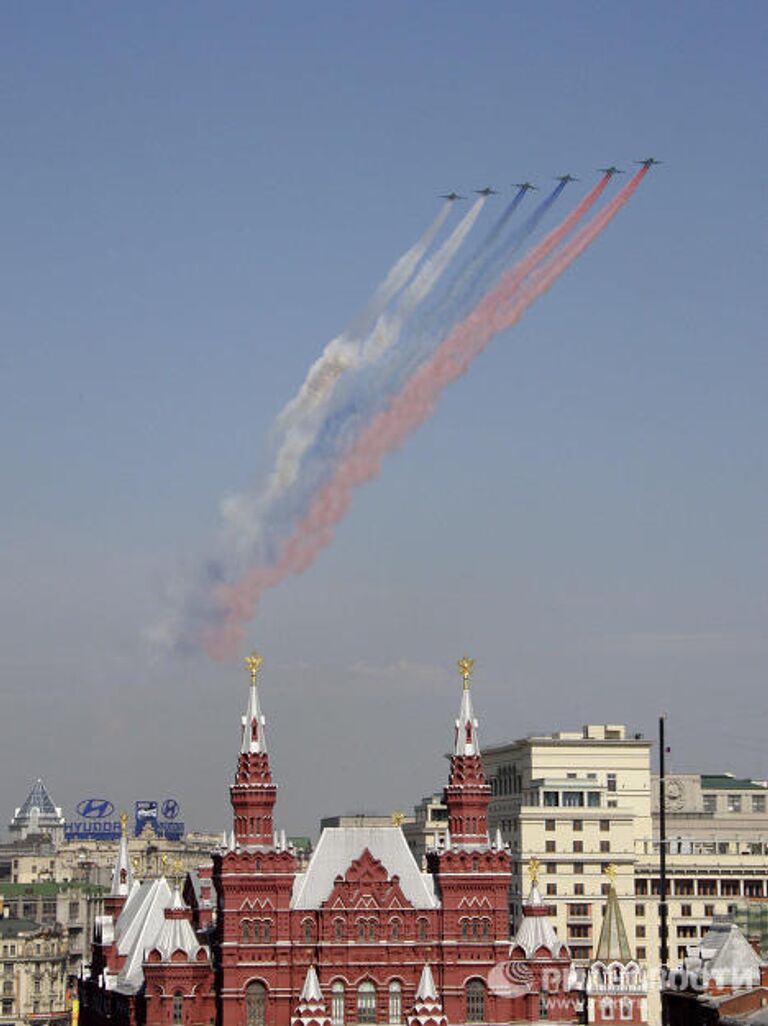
[579, 801]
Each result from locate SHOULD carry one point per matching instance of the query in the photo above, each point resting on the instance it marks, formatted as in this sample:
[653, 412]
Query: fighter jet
[525, 186]
[611, 171]
[565, 178]
[648, 162]
[451, 196]
[487, 191]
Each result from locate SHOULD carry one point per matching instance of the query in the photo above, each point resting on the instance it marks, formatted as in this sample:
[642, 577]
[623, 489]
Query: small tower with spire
[427, 1006]
[617, 989]
[467, 794]
[122, 874]
[311, 1010]
[253, 794]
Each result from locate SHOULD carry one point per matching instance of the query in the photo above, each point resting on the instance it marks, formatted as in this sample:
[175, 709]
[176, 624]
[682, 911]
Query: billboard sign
[96, 821]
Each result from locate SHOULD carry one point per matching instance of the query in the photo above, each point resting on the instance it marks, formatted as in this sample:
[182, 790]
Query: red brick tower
[472, 877]
[468, 794]
[257, 982]
[253, 793]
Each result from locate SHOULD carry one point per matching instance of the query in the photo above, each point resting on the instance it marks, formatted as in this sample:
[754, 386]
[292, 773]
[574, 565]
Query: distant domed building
[360, 934]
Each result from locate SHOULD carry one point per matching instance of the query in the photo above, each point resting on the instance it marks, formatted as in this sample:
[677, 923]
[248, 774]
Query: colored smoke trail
[499, 310]
[362, 394]
[331, 361]
[247, 517]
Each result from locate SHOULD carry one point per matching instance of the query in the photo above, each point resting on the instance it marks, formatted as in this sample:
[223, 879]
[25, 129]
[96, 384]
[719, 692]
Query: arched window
[338, 929]
[366, 1002]
[626, 1008]
[395, 1001]
[257, 931]
[465, 928]
[178, 1007]
[475, 1001]
[372, 930]
[361, 929]
[256, 1004]
[337, 1002]
[486, 928]
[475, 928]
[266, 928]
[246, 932]
[307, 930]
[421, 929]
[394, 930]
[606, 1008]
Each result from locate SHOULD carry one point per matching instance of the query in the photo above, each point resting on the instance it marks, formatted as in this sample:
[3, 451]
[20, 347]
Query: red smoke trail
[500, 309]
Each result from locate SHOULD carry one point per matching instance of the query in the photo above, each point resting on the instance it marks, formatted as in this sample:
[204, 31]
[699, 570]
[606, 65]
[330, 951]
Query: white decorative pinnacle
[254, 722]
[427, 990]
[466, 742]
[310, 992]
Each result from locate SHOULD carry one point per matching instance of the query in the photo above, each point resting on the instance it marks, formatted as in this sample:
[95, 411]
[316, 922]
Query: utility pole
[663, 910]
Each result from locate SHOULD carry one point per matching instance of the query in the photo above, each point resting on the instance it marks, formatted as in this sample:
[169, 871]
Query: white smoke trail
[334, 359]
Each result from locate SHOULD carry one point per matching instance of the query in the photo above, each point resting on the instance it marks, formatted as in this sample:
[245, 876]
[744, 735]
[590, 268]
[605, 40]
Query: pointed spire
[498, 840]
[466, 742]
[254, 722]
[122, 877]
[310, 992]
[613, 945]
[427, 1006]
[311, 1010]
[427, 991]
[253, 794]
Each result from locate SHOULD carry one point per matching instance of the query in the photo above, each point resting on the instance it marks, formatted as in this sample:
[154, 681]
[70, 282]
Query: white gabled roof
[176, 934]
[138, 927]
[338, 847]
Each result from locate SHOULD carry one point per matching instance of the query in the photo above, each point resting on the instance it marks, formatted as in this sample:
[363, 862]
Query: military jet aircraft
[487, 191]
[648, 162]
[525, 186]
[565, 178]
[611, 171]
[451, 196]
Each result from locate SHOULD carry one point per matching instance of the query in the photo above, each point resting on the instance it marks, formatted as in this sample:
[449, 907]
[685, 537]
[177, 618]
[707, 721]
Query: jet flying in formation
[451, 196]
[648, 162]
[611, 171]
[565, 178]
[487, 191]
[525, 186]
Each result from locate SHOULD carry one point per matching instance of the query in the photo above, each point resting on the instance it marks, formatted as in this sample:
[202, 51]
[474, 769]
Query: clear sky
[195, 198]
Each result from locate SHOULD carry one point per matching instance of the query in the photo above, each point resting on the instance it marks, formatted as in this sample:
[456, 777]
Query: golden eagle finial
[398, 818]
[534, 868]
[466, 666]
[611, 871]
[253, 662]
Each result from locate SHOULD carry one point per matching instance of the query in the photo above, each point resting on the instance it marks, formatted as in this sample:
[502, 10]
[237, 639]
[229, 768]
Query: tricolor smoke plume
[245, 515]
[499, 310]
[332, 360]
[361, 395]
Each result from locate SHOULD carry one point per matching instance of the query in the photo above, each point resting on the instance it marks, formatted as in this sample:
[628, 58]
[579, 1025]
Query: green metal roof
[46, 888]
[727, 782]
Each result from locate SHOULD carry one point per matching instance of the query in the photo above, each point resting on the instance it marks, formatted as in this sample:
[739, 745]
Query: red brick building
[361, 934]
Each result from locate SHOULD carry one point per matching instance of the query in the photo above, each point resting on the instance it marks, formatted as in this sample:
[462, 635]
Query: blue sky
[195, 198]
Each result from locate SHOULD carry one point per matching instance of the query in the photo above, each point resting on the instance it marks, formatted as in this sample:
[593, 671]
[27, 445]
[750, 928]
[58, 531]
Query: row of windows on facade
[608, 1008]
[8, 1006]
[365, 1006]
[11, 950]
[728, 888]
[579, 891]
[256, 931]
[509, 781]
[734, 803]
